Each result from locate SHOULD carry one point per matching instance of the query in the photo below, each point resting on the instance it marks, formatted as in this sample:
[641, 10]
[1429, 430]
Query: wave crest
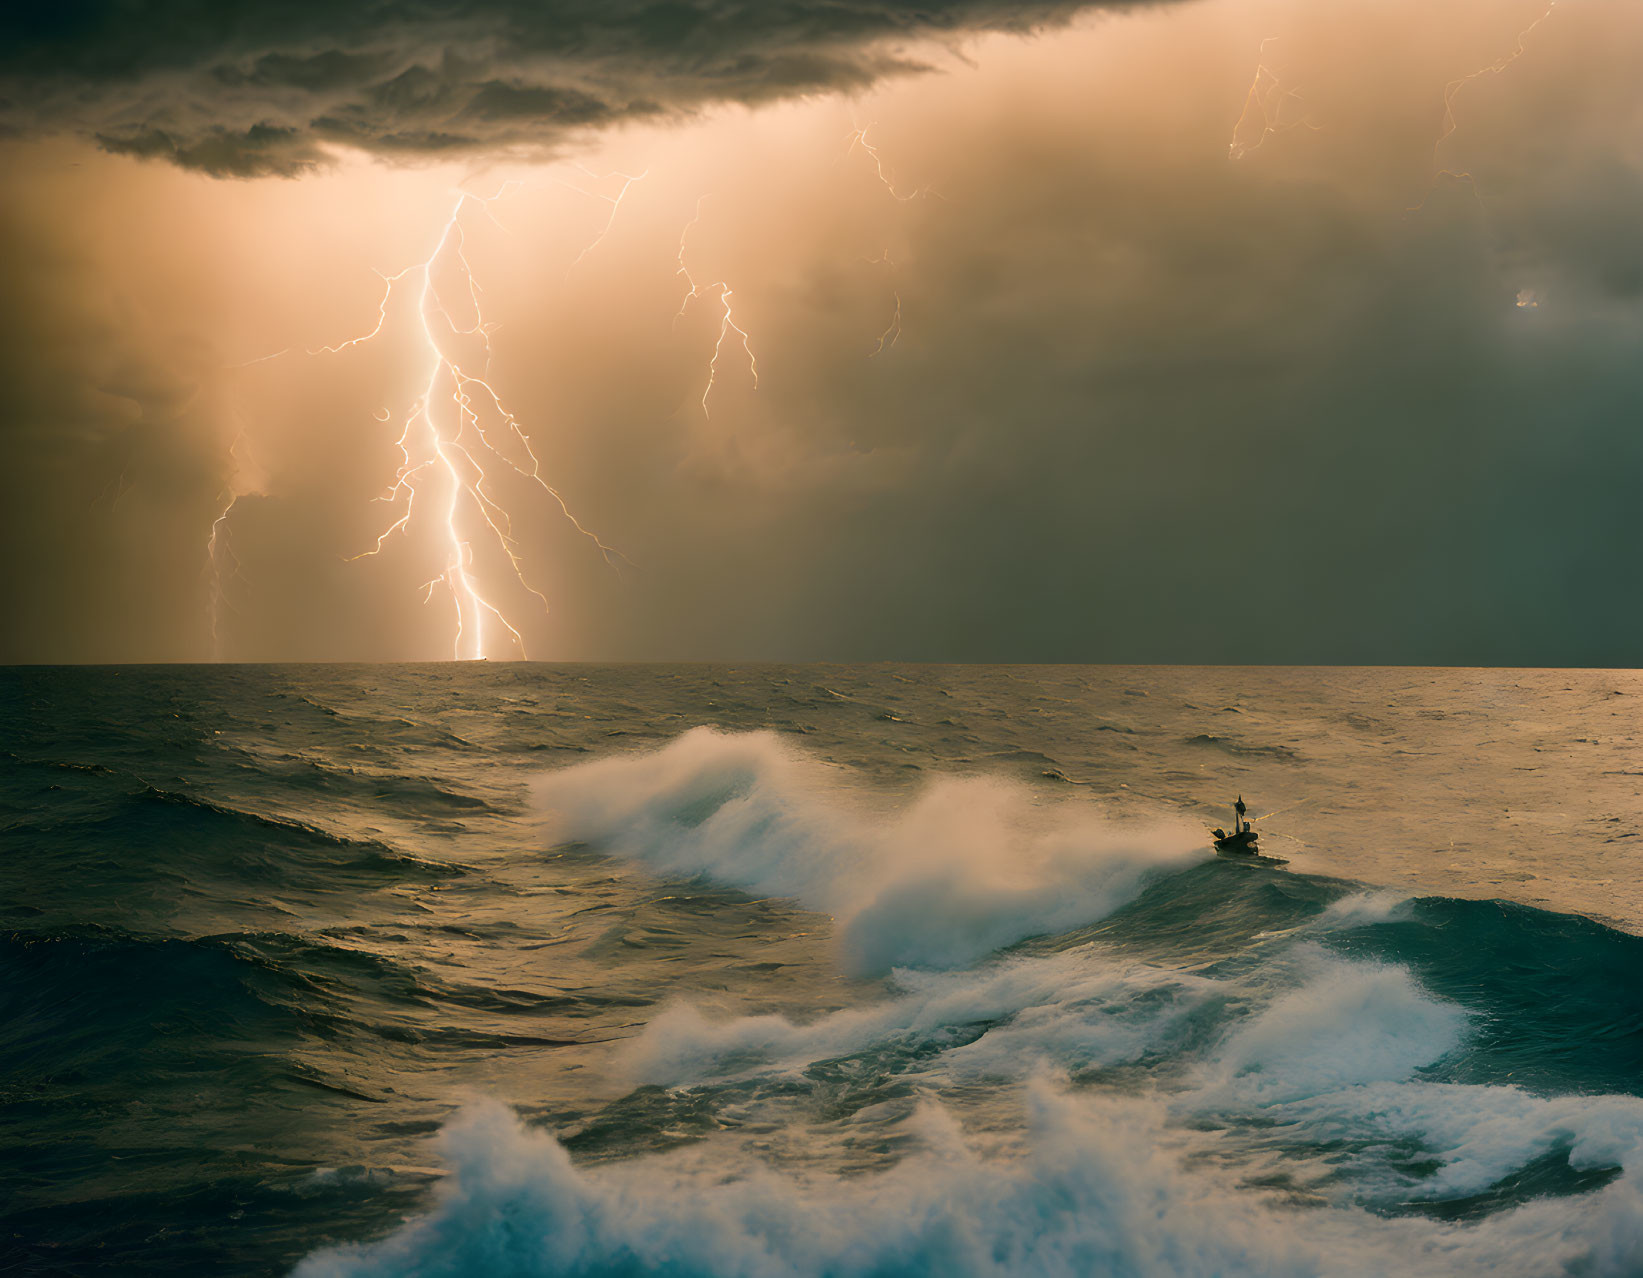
[969, 865]
[1095, 1187]
[1095, 1195]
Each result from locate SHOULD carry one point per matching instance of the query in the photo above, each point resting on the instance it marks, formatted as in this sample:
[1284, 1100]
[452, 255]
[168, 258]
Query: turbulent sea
[696, 970]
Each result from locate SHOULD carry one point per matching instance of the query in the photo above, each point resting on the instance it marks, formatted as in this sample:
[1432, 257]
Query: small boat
[1241, 847]
[1241, 844]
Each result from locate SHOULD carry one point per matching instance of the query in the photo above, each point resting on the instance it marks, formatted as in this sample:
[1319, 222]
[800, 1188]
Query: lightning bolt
[1264, 107]
[892, 333]
[615, 202]
[727, 320]
[445, 442]
[222, 563]
[858, 139]
[1453, 90]
[730, 333]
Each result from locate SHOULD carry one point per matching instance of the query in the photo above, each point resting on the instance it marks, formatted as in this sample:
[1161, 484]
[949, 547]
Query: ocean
[518, 969]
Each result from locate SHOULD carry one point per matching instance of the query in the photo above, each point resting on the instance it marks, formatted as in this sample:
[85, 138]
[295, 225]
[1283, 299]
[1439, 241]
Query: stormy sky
[1208, 331]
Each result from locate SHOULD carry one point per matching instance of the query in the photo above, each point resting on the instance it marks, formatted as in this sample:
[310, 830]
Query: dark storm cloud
[256, 152]
[245, 90]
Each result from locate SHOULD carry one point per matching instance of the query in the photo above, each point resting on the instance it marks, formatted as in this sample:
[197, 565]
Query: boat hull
[1250, 858]
[1242, 847]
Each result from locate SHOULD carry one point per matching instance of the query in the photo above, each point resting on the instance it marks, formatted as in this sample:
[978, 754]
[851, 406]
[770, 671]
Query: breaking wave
[970, 865]
[1093, 1185]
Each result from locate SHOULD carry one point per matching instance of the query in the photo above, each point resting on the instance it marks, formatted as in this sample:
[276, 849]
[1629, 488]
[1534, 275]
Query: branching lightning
[727, 320]
[892, 333]
[446, 445]
[858, 139]
[1269, 109]
[615, 202]
[1452, 91]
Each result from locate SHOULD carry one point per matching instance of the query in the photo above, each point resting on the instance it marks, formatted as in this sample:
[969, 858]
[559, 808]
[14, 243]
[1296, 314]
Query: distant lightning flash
[445, 440]
[224, 565]
[727, 320]
[615, 202]
[858, 138]
[1452, 91]
[222, 562]
[892, 334]
[1264, 109]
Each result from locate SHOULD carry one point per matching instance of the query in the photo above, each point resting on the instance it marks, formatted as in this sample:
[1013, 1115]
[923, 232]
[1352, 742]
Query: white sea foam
[971, 864]
[1094, 1193]
[1347, 1025]
[1096, 1186]
[1073, 1010]
[1334, 1061]
[1342, 1026]
[1478, 1135]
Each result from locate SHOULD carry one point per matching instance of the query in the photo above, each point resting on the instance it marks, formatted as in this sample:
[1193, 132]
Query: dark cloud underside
[246, 89]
